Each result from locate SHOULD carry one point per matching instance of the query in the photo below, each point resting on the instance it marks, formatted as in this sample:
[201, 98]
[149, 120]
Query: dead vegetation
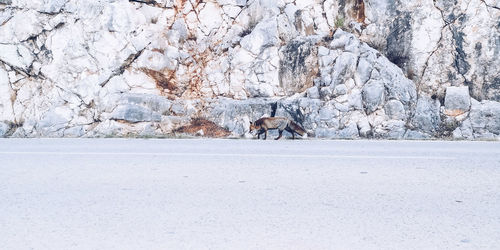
[203, 127]
[359, 11]
[163, 81]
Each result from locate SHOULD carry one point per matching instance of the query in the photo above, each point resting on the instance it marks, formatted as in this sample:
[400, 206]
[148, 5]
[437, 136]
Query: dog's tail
[297, 128]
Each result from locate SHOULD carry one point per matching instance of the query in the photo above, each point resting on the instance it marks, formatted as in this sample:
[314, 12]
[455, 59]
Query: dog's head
[252, 127]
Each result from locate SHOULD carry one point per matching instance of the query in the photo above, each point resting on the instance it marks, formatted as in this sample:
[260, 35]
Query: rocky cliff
[342, 69]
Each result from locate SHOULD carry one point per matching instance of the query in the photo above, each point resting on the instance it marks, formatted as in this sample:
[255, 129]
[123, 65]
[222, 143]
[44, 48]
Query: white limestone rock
[464, 132]
[134, 113]
[54, 121]
[395, 110]
[210, 18]
[298, 65]
[344, 68]
[355, 100]
[264, 34]
[6, 96]
[313, 92]
[4, 128]
[485, 117]
[340, 89]
[393, 129]
[427, 117]
[457, 99]
[373, 95]
[17, 56]
[416, 135]
[21, 26]
[349, 132]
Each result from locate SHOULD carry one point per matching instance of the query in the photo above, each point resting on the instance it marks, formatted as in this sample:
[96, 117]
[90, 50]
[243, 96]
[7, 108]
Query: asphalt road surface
[248, 194]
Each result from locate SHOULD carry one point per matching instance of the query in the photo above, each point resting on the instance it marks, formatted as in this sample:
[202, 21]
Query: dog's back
[267, 123]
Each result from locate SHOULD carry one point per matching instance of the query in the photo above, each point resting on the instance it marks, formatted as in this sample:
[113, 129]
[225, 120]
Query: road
[248, 194]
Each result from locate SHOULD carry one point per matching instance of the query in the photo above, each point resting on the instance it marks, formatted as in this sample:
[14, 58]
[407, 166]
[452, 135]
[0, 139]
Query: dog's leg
[280, 133]
[291, 132]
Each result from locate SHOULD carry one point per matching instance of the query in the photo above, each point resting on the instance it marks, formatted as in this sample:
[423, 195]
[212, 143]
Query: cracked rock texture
[342, 69]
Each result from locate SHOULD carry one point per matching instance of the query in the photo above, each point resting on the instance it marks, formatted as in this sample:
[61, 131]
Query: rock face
[439, 43]
[342, 69]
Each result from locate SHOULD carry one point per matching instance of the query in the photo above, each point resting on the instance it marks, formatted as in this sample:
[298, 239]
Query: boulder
[485, 117]
[134, 113]
[349, 132]
[427, 118]
[456, 101]
[395, 110]
[373, 95]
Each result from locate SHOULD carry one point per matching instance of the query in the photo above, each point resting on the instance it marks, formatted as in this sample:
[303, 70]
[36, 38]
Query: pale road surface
[248, 194]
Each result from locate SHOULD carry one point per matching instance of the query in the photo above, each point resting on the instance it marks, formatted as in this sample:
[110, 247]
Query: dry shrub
[359, 9]
[210, 129]
[163, 81]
